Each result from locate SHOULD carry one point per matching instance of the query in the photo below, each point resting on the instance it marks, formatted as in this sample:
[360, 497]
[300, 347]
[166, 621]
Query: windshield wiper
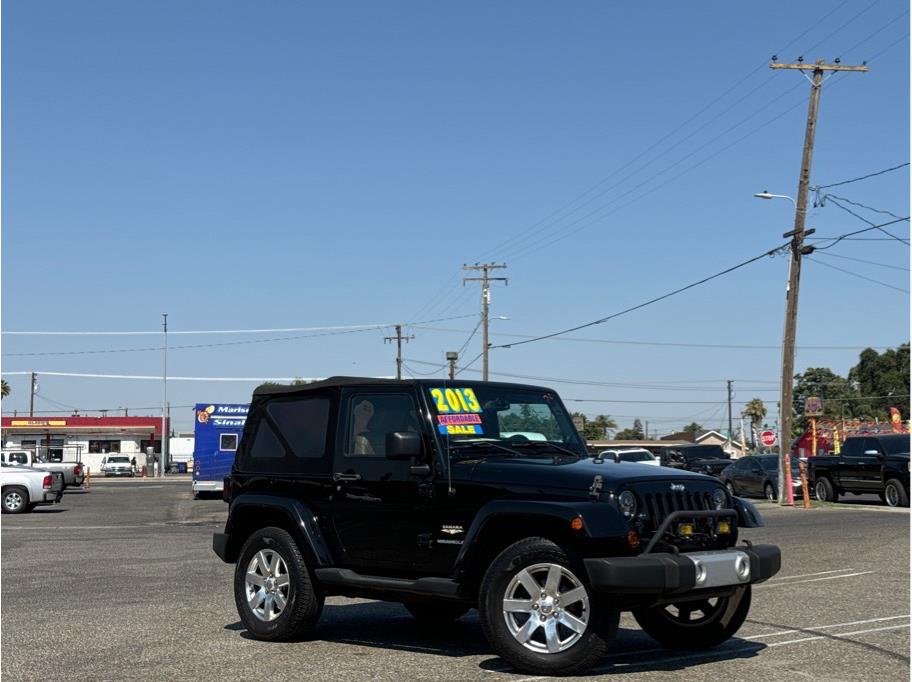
[549, 444]
[485, 444]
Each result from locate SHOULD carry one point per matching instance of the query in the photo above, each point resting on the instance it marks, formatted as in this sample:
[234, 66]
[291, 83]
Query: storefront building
[86, 439]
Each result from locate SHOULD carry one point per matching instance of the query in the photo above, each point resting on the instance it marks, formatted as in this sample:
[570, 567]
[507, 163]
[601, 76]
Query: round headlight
[719, 498]
[628, 503]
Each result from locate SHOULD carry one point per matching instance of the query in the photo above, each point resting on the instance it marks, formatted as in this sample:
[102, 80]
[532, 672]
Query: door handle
[339, 476]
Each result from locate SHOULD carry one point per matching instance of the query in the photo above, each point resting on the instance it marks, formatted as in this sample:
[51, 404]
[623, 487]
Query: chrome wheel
[891, 495]
[267, 584]
[821, 491]
[13, 501]
[730, 487]
[770, 492]
[546, 608]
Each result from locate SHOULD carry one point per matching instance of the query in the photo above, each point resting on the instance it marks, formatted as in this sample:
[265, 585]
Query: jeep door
[379, 505]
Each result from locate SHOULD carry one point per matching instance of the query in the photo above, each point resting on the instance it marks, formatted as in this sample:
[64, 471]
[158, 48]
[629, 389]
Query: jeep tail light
[48, 482]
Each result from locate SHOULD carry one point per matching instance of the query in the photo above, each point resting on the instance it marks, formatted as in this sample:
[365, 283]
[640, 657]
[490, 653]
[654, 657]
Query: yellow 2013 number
[455, 400]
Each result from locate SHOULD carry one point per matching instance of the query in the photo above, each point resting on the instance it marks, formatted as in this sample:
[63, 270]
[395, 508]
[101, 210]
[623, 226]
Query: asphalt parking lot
[119, 582]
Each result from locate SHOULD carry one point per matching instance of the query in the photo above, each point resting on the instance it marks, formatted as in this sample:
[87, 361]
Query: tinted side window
[303, 422]
[266, 446]
[852, 447]
[371, 417]
[871, 444]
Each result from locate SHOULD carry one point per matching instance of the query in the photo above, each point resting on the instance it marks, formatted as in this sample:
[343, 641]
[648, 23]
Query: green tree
[4, 388]
[755, 410]
[839, 395]
[633, 433]
[693, 427]
[594, 429]
[882, 374]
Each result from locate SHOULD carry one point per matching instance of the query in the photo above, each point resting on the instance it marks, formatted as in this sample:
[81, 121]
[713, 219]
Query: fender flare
[301, 517]
[600, 520]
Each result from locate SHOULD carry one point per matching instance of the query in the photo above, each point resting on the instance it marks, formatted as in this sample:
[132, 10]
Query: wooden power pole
[798, 249]
[398, 338]
[485, 280]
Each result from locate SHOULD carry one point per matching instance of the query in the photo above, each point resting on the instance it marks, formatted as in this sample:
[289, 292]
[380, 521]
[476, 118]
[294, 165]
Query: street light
[766, 195]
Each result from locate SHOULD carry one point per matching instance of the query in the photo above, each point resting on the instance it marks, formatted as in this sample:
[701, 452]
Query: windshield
[635, 456]
[512, 417]
[118, 460]
[895, 445]
[771, 463]
[699, 452]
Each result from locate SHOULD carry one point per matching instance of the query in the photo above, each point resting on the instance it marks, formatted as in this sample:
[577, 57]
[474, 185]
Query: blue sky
[250, 165]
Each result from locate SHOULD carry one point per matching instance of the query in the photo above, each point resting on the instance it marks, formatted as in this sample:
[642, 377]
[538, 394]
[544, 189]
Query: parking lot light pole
[164, 426]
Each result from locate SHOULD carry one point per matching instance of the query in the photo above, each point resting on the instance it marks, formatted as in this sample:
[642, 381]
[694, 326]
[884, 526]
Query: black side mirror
[403, 445]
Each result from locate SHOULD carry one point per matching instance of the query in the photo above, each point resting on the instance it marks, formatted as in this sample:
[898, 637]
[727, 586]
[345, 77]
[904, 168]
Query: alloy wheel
[267, 584]
[546, 608]
[13, 501]
[891, 495]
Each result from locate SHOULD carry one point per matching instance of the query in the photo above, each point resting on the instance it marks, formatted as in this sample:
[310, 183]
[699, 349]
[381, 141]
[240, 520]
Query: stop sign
[768, 438]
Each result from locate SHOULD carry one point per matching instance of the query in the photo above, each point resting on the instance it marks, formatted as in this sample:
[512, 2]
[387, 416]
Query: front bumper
[662, 573]
[208, 486]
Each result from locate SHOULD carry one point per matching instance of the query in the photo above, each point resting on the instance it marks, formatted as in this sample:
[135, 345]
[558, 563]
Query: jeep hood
[566, 474]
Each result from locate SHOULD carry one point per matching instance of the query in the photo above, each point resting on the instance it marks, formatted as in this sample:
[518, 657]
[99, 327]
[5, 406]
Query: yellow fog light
[686, 529]
[724, 527]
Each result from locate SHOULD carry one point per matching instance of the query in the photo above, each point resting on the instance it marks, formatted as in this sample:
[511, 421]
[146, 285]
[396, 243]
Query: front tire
[539, 614]
[435, 613]
[675, 627]
[275, 591]
[15, 500]
[895, 494]
[731, 488]
[823, 489]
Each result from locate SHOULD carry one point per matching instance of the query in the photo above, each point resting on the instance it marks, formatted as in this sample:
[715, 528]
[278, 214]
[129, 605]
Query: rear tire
[275, 591]
[769, 492]
[539, 614]
[824, 492]
[895, 494]
[717, 623]
[15, 500]
[435, 613]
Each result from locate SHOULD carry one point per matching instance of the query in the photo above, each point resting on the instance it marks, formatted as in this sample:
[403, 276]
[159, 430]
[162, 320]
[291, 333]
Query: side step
[347, 578]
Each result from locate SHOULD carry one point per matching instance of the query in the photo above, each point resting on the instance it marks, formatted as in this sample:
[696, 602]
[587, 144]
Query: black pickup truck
[867, 464]
[450, 496]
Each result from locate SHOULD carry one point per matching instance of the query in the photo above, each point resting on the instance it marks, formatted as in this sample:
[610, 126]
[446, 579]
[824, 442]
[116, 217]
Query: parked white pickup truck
[24, 488]
[73, 472]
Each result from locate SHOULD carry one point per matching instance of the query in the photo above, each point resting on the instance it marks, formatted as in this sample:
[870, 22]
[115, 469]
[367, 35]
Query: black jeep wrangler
[447, 496]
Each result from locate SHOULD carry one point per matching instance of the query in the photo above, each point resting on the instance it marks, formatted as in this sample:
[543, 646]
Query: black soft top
[343, 382]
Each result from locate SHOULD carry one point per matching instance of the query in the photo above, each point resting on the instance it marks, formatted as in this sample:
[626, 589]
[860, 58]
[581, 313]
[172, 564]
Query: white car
[118, 465]
[637, 455]
[24, 488]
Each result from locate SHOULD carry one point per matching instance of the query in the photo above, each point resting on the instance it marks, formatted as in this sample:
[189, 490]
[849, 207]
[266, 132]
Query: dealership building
[86, 439]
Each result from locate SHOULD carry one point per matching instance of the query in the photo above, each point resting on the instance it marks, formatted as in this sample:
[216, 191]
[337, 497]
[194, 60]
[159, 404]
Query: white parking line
[826, 627]
[814, 580]
[809, 575]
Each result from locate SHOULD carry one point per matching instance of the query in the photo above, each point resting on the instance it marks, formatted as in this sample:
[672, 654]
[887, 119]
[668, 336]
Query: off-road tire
[824, 491]
[15, 500]
[435, 613]
[305, 598]
[659, 624]
[575, 660]
[898, 499]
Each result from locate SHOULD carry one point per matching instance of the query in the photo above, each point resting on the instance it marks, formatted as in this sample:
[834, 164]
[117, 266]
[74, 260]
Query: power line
[380, 325]
[865, 220]
[822, 199]
[863, 177]
[771, 252]
[159, 378]
[869, 262]
[849, 235]
[855, 274]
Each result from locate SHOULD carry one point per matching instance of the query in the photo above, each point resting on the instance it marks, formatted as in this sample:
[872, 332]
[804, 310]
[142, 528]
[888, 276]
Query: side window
[852, 447]
[19, 458]
[266, 446]
[871, 444]
[372, 416]
[303, 422]
[228, 442]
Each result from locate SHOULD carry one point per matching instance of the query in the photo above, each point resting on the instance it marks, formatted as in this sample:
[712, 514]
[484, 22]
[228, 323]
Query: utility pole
[452, 356]
[797, 250]
[32, 391]
[730, 432]
[398, 338]
[485, 280]
[164, 427]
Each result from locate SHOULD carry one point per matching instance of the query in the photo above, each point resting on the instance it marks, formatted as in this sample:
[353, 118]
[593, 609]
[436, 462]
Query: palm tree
[4, 388]
[755, 410]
